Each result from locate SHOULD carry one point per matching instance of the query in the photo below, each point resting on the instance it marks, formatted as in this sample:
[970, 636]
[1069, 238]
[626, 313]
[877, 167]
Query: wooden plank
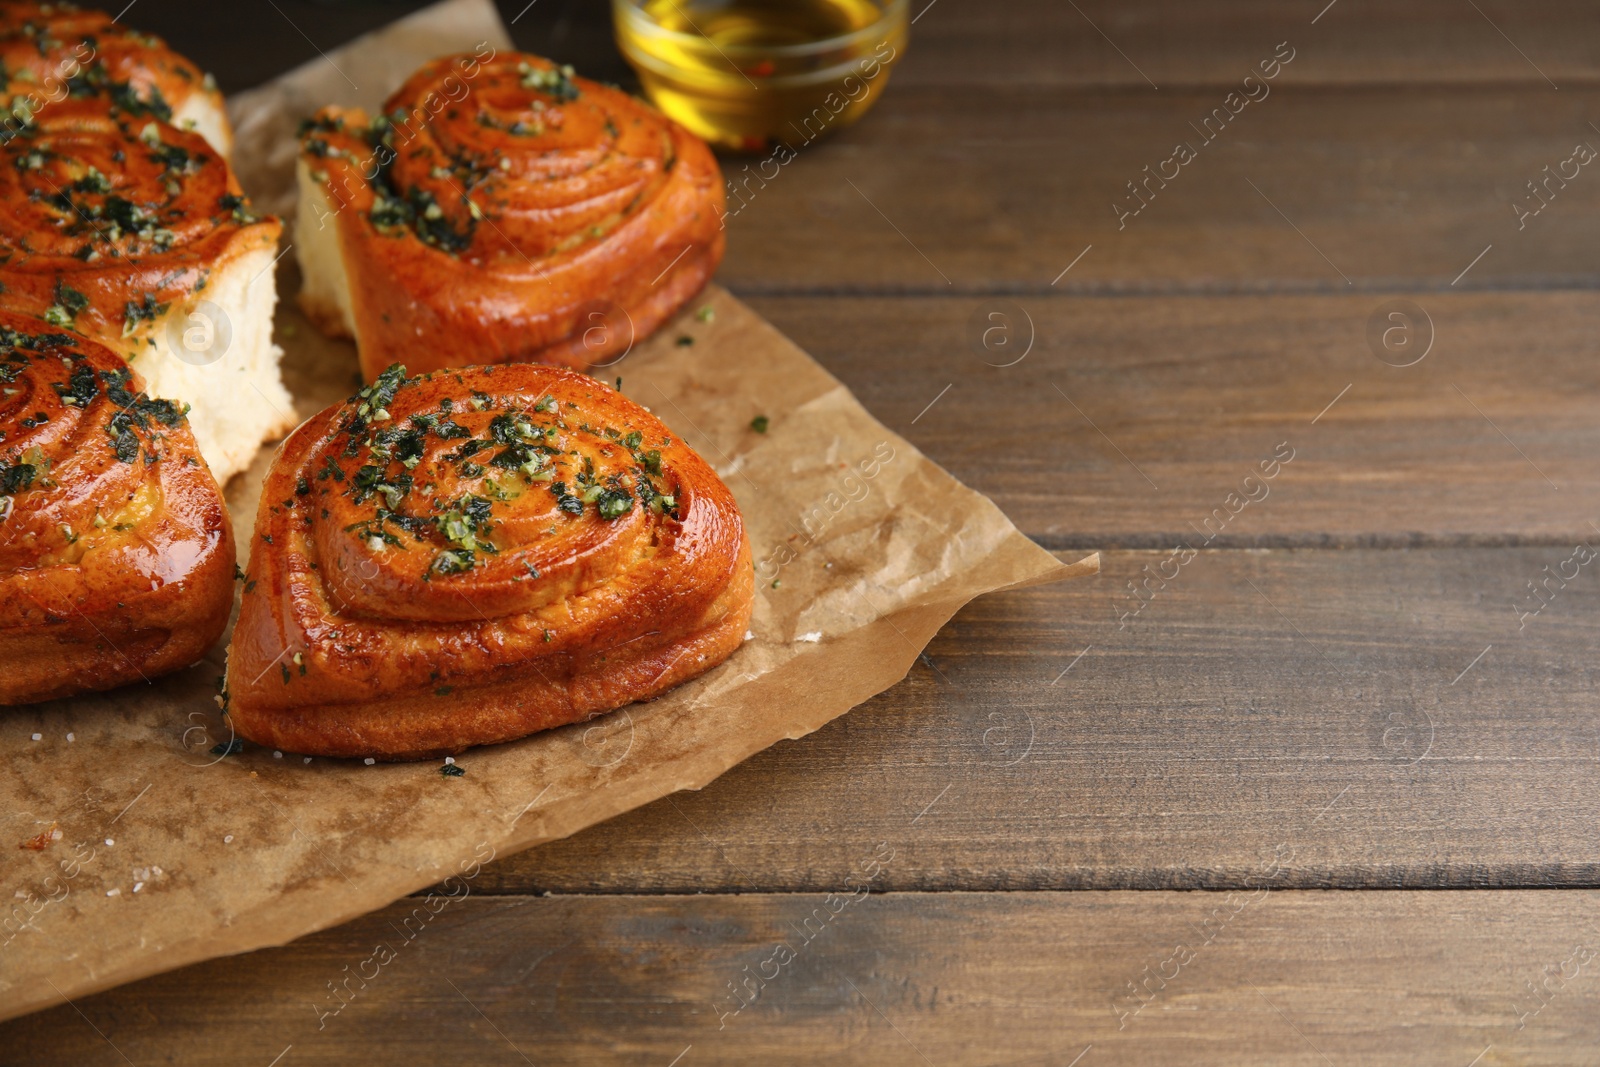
[1298, 978]
[1025, 42]
[1342, 703]
[1170, 43]
[1000, 188]
[1130, 422]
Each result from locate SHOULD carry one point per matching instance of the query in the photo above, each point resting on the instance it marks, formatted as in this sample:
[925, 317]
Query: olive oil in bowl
[747, 74]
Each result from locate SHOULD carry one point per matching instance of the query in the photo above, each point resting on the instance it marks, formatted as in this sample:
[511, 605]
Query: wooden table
[1292, 782]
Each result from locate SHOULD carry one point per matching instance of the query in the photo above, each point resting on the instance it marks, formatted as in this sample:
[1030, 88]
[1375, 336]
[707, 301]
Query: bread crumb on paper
[43, 840]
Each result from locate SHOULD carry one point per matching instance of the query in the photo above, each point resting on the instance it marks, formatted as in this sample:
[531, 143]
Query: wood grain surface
[999, 189]
[1370, 690]
[1317, 697]
[1130, 421]
[1097, 43]
[1298, 978]
[1090, 44]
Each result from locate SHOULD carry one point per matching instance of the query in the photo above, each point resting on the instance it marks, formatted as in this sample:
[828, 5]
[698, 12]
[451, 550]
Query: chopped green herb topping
[557, 81]
[463, 524]
[614, 503]
[94, 80]
[565, 500]
[239, 209]
[395, 211]
[448, 429]
[374, 400]
[64, 312]
[146, 309]
[135, 411]
[16, 477]
[453, 562]
[81, 388]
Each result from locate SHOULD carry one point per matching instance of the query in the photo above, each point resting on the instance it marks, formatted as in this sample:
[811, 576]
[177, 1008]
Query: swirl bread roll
[471, 556]
[53, 52]
[135, 233]
[502, 210]
[116, 556]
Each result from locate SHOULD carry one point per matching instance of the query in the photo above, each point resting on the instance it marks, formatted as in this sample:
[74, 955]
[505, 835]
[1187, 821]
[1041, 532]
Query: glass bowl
[749, 75]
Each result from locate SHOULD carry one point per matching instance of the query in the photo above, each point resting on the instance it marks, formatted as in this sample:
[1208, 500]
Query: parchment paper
[135, 842]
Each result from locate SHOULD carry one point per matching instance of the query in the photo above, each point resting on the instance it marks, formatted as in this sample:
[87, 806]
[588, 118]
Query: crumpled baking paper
[136, 840]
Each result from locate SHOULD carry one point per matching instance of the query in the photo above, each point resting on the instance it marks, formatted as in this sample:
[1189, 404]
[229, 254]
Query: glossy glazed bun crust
[54, 52]
[502, 210]
[135, 233]
[116, 556]
[471, 556]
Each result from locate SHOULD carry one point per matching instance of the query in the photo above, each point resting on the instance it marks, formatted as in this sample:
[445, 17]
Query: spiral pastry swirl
[53, 52]
[470, 556]
[123, 228]
[108, 218]
[116, 555]
[502, 210]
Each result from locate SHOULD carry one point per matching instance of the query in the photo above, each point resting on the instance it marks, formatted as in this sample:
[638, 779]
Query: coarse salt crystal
[277, 755]
[113, 892]
[109, 841]
[228, 840]
[138, 886]
[449, 760]
[71, 737]
[38, 737]
[813, 637]
[369, 761]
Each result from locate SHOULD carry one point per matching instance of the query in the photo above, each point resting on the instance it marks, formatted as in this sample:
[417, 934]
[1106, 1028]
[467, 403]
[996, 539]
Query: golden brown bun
[52, 52]
[503, 211]
[470, 556]
[134, 233]
[116, 556]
